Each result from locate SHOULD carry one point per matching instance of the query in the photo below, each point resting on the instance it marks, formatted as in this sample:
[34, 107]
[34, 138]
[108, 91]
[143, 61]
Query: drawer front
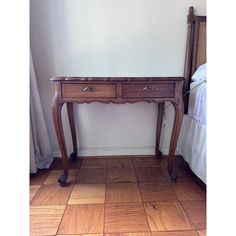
[89, 90]
[148, 90]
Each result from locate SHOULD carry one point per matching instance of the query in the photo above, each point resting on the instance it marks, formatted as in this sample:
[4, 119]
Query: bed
[192, 139]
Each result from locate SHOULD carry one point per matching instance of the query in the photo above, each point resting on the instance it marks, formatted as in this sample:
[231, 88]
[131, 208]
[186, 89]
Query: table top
[115, 79]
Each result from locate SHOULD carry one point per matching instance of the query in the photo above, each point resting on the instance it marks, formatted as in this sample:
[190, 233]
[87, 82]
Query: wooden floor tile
[93, 163]
[79, 234]
[125, 175]
[52, 178]
[39, 177]
[88, 193]
[82, 219]
[146, 162]
[201, 232]
[150, 174]
[164, 162]
[44, 220]
[52, 195]
[75, 164]
[166, 216]
[119, 163]
[33, 190]
[92, 176]
[181, 176]
[57, 164]
[156, 192]
[189, 191]
[125, 217]
[122, 192]
[196, 211]
[175, 233]
[130, 234]
[125, 214]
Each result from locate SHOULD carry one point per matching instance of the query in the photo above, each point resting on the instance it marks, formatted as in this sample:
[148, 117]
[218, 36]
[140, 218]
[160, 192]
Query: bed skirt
[192, 146]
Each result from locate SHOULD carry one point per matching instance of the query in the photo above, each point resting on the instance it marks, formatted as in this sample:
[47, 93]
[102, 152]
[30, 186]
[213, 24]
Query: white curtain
[40, 148]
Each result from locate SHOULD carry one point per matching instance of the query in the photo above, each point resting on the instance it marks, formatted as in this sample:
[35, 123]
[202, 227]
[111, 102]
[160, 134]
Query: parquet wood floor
[124, 196]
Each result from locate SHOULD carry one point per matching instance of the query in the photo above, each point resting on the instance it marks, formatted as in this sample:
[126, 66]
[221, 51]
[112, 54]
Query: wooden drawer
[148, 90]
[89, 90]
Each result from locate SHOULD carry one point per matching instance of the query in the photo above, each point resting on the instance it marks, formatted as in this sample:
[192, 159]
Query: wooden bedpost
[188, 56]
[195, 50]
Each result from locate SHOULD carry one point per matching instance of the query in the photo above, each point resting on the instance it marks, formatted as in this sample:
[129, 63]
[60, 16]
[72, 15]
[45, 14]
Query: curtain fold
[40, 148]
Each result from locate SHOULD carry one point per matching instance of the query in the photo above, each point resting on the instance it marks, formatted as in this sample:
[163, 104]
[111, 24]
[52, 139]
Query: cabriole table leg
[56, 110]
[174, 138]
[158, 129]
[70, 111]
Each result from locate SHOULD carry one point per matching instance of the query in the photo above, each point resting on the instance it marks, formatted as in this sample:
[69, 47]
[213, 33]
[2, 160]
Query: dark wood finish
[150, 90]
[158, 129]
[70, 111]
[114, 79]
[117, 90]
[195, 50]
[179, 112]
[188, 58]
[88, 90]
[57, 103]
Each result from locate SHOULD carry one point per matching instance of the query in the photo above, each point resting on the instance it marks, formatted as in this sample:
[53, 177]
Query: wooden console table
[117, 90]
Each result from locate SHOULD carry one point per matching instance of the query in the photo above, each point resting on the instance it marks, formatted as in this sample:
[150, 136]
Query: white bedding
[192, 140]
[197, 101]
[192, 145]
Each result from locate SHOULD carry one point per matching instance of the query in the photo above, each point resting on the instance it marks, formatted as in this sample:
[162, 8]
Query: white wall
[110, 38]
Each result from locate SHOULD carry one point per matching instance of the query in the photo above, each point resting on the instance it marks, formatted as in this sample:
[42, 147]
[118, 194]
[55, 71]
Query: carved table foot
[73, 156]
[62, 180]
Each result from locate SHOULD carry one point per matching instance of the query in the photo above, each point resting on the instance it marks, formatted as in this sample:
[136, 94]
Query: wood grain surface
[156, 192]
[175, 233]
[196, 211]
[146, 162]
[92, 176]
[126, 217]
[39, 177]
[82, 219]
[52, 195]
[201, 232]
[95, 90]
[88, 194]
[44, 220]
[118, 175]
[122, 192]
[130, 234]
[33, 190]
[166, 216]
[150, 174]
[119, 163]
[119, 208]
[95, 163]
[189, 191]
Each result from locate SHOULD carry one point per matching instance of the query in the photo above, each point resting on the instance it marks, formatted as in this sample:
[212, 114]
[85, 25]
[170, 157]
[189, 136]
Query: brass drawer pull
[149, 88]
[89, 89]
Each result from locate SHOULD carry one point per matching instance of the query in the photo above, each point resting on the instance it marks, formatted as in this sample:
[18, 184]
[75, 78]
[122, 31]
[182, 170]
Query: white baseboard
[113, 151]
